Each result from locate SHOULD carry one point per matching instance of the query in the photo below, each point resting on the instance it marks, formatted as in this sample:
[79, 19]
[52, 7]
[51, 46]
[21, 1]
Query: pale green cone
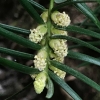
[58, 32]
[40, 59]
[42, 28]
[44, 16]
[59, 47]
[40, 82]
[33, 75]
[37, 34]
[61, 19]
[58, 72]
[55, 57]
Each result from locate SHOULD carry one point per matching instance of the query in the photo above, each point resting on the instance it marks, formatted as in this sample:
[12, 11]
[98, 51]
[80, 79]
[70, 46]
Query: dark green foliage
[32, 7]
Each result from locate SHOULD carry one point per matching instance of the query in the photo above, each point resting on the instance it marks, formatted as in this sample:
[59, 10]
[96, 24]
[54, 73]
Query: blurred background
[11, 81]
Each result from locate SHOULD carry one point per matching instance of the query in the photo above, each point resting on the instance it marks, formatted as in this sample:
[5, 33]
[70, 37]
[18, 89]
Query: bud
[57, 58]
[58, 32]
[40, 82]
[38, 33]
[33, 75]
[40, 59]
[61, 19]
[44, 16]
[59, 46]
[58, 72]
[42, 28]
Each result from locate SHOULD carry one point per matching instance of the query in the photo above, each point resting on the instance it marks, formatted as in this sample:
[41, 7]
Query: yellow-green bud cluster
[61, 19]
[58, 72]
[38, 33]
[44, 16]
[40, 59]
[58, 32]
[40, 63]
[60, 50]
[40, 82]
[57, 48]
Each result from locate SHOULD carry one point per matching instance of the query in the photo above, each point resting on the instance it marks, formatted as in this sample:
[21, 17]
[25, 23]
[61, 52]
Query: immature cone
[38, 33]
[33, 75]
[40, 82]
[58, 72]
[57, 58]
[44, 16]
[58, 32]
[59, 47]
[61, 19]
[40, 59]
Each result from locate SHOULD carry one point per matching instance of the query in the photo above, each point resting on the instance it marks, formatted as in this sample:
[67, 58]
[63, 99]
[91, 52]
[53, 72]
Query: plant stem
[49, 22]
[49, 31]
[49, 14]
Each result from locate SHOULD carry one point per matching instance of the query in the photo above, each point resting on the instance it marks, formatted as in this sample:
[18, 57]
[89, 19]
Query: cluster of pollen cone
[57, 48]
